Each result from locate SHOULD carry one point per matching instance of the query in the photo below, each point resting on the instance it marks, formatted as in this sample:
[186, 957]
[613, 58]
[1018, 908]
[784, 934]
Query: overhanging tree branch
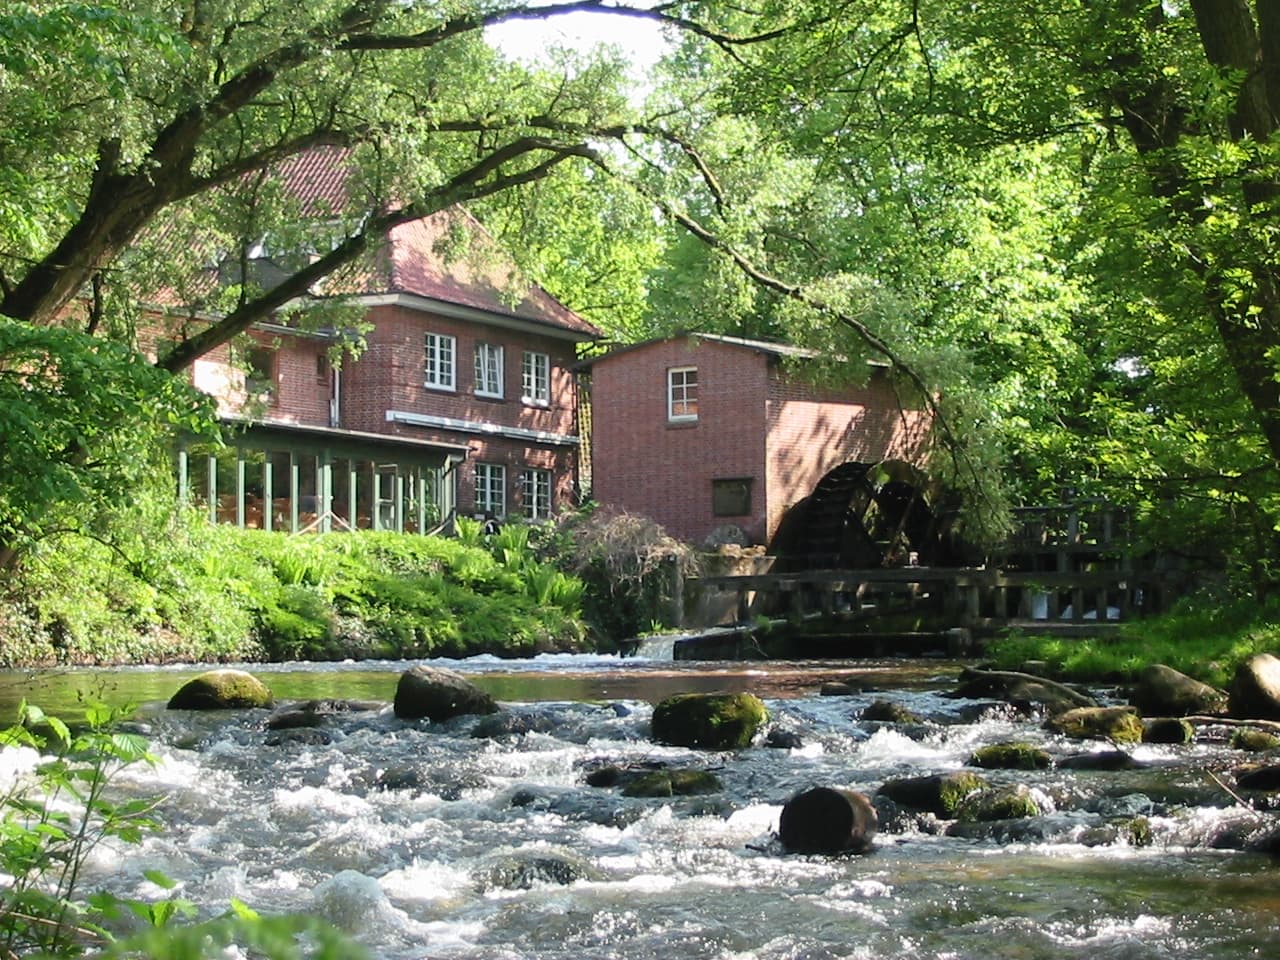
[481, 180]
[950, 439]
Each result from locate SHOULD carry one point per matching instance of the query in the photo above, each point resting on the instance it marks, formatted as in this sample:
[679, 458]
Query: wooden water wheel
[866, 515]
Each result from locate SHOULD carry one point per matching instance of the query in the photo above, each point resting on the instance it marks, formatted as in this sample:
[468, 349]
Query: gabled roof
[768, 347]
[413, 262]
[411, 267]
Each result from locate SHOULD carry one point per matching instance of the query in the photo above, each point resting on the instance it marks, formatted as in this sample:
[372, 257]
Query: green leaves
[51, 820]
[85, 421]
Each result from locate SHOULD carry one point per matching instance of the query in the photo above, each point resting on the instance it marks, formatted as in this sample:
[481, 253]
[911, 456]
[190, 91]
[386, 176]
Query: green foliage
[623, 571]
[1204, 636]
[53, 820]
[50, 821]
[217, 593]
[85, 423]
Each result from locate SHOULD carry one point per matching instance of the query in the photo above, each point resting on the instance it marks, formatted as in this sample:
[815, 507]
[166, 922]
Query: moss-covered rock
[1168, 730]
[709, 721]
[1138, 832]
[940, 794]
[998, 803]
[1120, 724]
[1252, 740]
[526, 869]
[672, 783]
[1017, 755]
[221, 690]
[889, 712]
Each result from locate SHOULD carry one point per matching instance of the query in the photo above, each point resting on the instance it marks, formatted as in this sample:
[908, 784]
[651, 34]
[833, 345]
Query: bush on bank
[1204, 636]
[201, 592]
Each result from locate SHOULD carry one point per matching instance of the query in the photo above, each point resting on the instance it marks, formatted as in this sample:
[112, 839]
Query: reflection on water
[63, 692]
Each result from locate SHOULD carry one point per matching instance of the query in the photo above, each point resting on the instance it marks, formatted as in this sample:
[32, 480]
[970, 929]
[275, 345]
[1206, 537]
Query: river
[424, 841]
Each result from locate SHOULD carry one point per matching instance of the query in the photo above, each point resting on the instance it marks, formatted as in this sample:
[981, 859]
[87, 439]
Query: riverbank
[1205, 637]
[216, 594]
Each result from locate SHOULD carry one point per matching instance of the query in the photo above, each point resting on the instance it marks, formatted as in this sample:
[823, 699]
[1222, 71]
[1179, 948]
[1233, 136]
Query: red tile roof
[412, 261]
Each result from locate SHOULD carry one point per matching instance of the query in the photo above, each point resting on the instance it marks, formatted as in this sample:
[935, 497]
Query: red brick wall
[300, 394]
[644, 464]
[813, 431]
[389, 375]
[753, 422]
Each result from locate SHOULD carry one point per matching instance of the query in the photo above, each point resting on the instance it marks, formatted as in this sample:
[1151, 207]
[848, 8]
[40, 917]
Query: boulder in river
[827, 820]
[672, 783]
[889, 711]
[1118, 724]
[1023, 690]
[221, 690]
[1252, 740]
[1101, 760]
[438, 694]
[1010, 802]
[1264, 778]
[1010, 756]
[1162, 691]
[1168, 730]
[939, 793]
[1255, 689]
[709, 721]
[526, 869]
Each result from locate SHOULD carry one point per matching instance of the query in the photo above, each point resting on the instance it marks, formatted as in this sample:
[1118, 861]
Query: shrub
[628, 565]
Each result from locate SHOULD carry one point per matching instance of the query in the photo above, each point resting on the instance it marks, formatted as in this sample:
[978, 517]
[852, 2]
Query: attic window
[682, 394]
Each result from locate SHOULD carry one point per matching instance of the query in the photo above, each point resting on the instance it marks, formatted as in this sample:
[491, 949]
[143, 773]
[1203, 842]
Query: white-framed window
[682, 393]
[491, 489]
[488, 370]
[441, 368]
[535, 378]
[535, 493]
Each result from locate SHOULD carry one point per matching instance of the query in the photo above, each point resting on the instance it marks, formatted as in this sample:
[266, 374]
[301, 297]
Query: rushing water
[427, 842]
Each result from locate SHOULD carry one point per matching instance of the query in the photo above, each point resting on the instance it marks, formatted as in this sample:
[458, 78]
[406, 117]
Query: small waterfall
[659, 647]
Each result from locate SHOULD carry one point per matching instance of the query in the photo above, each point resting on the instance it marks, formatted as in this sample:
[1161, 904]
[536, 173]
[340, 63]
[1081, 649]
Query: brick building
[699, 431]
[463, 398]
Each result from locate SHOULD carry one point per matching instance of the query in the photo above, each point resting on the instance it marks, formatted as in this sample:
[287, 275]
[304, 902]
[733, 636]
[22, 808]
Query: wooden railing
[969, 597]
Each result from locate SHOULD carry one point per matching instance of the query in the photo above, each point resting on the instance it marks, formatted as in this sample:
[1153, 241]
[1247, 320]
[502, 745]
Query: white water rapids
[424, 841]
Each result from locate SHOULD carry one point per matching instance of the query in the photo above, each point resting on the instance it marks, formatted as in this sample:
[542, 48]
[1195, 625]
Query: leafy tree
[83, 421]
[1059, 218]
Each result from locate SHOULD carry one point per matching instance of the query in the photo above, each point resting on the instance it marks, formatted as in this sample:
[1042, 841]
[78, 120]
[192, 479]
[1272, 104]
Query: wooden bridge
[977, 598]
[1067, 568]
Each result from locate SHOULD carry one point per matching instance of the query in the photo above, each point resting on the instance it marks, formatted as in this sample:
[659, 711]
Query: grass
[1205, 636]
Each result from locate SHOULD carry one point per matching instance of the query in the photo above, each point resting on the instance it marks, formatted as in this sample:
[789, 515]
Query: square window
[488, 370]
[535, 378]
[731, 498]
[439, 371]
[260, 371]
[682, 393]
[491, 490]
[535, 493]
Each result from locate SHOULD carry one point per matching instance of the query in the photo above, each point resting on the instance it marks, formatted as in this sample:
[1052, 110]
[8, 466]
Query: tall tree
[132, 116]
